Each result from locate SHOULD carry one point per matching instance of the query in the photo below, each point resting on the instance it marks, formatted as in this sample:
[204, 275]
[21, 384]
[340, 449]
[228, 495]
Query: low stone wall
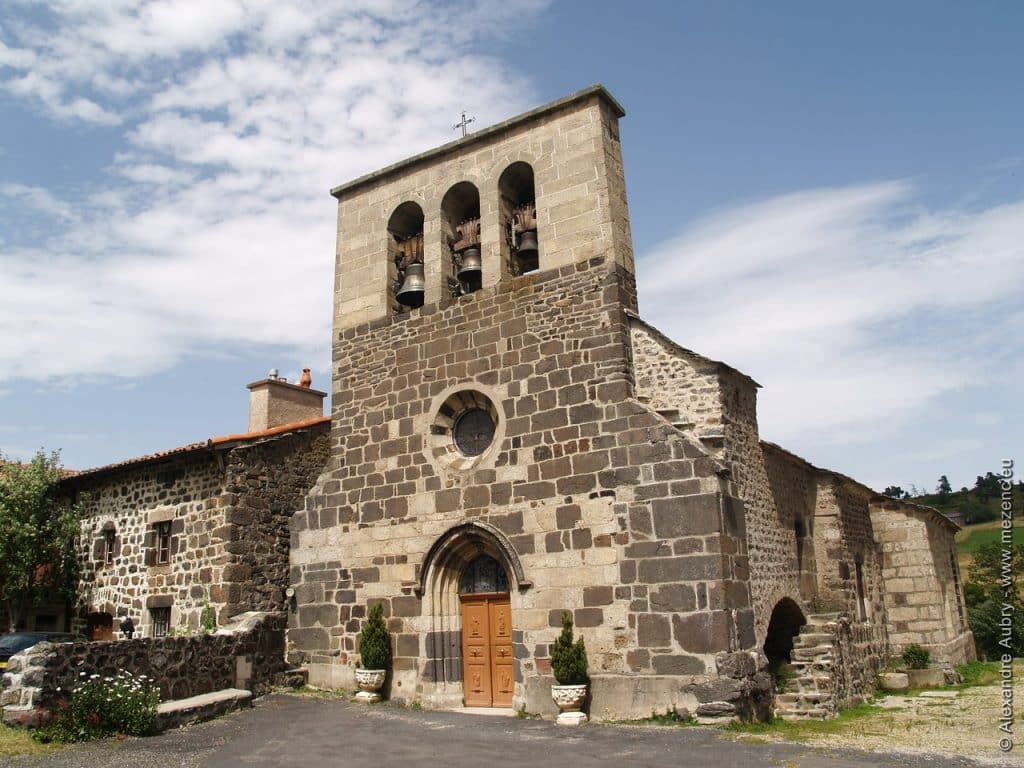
[247, 653]
[861, 652]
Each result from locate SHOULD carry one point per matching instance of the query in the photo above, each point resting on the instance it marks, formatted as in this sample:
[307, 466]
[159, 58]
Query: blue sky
[826, 196]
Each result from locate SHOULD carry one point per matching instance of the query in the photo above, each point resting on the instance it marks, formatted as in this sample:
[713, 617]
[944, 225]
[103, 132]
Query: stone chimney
[273, 402]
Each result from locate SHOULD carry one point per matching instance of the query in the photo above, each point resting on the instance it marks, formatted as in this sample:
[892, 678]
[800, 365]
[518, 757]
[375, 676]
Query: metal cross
[464, 122]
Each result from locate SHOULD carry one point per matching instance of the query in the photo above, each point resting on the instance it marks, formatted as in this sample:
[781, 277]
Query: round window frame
[461, 439]
[453, 406]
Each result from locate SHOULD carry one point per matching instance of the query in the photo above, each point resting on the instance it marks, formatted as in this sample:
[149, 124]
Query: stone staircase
[808, 696]
[673, 417]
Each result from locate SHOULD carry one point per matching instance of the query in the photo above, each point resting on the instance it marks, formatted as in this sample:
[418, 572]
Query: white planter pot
[370, 681]
[570, 699]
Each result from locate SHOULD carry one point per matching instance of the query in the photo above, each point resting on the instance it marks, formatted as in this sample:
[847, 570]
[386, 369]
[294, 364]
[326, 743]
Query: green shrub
[916, 657]
[569, 659]
[208, 618]
[782, 673]
[104, 706]
[374, 643]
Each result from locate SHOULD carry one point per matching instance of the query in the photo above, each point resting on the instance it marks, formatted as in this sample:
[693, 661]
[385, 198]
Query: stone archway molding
[487, 536]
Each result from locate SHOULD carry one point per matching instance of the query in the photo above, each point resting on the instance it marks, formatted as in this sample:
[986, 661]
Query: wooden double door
[488, 672]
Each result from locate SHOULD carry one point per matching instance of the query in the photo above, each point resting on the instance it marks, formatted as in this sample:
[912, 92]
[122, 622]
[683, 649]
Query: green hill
[980, 504]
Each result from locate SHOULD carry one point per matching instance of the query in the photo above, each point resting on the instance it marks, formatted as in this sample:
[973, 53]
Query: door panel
[488, 666]
[502, 667]
[476, 680]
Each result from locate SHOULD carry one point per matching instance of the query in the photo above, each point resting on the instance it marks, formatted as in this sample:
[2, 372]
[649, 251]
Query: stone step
[813, 638]
[816, 653]
[803, 698]
[194, 709]
[801, 714]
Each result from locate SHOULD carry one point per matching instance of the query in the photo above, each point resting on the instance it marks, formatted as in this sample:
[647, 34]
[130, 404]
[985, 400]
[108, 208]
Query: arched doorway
[784, 625]
[451, 575]
[488, 670]
[99, 626]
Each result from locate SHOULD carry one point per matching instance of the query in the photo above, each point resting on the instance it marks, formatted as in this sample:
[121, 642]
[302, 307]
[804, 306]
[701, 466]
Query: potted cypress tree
[569, 665]
[374, 656]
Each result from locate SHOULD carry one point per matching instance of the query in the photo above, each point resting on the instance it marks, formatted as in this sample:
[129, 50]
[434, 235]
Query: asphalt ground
[284, 730]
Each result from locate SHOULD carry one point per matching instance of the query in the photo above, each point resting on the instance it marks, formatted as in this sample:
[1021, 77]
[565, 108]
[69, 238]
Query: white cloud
[214, 230]
[855, 307]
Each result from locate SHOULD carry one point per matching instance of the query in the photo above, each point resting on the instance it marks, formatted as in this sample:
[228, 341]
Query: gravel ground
[965, 726]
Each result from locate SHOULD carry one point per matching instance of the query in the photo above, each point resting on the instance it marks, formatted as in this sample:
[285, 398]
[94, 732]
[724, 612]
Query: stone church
[510, 440]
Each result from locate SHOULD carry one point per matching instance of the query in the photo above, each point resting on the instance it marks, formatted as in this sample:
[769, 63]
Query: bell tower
[534, 193]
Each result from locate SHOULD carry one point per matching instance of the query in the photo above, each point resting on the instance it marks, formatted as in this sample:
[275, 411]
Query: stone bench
[194, 709]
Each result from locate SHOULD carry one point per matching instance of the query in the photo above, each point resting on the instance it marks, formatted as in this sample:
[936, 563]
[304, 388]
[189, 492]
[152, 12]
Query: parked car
[16, 642]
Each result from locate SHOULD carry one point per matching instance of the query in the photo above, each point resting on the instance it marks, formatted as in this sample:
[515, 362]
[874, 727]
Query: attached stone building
[204, 526]
[509, 440]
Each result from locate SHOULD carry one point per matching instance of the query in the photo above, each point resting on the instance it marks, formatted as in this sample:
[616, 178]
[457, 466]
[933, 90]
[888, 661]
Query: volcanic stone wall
[793, 487]
[612, 512]
[185, 491]
[669, 377]
[843, 537]
[717, 406]
[266, 482]
[248, 654]
[228, 509]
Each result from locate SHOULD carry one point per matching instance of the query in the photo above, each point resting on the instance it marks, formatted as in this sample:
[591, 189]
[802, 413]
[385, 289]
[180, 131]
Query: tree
[994, 601]
[943, 489]
[37, 535]
[895, 492]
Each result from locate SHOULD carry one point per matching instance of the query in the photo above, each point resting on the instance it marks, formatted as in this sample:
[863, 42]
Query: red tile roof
[211, 443]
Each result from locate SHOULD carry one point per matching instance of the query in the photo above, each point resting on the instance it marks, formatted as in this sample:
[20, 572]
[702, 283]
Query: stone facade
[245, 654]
[621, 477]
[226, 506]
[923, 592]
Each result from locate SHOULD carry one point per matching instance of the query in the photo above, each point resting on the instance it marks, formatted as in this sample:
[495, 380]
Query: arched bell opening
[519, 218]
[406, 279]
[783, 627]
[460, 230]
[469, 581]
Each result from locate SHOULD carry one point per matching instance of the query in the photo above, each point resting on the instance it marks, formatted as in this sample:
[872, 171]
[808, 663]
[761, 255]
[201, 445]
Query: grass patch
[799, 730]
[15, 742]
[666, 718]
[974, 537]
[977, 673]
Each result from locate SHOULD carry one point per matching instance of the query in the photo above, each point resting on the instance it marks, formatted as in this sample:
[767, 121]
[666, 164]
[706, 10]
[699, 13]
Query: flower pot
[370, 681]
[570, 699]
[932, 677]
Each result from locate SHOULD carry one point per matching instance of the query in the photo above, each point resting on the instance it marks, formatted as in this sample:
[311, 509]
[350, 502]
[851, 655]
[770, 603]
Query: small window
[957, 587]
[160, 621]
[163, 543]
[108, 546]
[862, 598]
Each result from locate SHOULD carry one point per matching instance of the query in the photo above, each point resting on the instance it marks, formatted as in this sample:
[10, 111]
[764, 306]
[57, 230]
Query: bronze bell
[527, 251]
[472, 267]
[411, 292]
